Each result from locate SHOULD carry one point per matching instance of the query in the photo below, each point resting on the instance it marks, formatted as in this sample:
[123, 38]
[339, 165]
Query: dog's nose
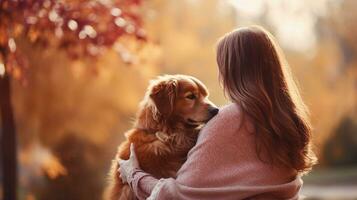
[213, 111]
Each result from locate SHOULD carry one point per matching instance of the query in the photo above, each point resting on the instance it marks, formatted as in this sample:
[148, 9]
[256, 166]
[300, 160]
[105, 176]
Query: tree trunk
[8, 140]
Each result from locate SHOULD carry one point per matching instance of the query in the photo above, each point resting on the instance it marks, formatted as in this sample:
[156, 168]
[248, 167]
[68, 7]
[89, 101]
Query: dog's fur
[166, 128]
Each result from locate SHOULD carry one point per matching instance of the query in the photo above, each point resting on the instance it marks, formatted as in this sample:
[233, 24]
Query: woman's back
[225, 157]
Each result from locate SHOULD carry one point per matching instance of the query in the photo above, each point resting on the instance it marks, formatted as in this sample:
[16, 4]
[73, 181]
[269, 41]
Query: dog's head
[182, 99]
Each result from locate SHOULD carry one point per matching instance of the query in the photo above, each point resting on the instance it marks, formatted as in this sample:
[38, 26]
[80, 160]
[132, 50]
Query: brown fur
[166, 128]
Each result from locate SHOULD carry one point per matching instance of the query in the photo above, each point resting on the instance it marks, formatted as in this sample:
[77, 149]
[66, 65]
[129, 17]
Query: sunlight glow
[72, 24]
[293, 21]
[248, 8]
[2, 69]
[12, 45]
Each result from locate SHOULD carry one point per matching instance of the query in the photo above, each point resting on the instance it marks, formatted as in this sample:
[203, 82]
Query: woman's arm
[145, 186]
[142, 184]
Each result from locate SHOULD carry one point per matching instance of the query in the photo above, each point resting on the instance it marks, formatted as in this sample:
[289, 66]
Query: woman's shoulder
[227, 121]
[232, 109]
[228, 114]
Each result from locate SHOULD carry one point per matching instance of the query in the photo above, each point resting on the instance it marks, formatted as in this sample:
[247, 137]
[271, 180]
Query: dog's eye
[191, 96]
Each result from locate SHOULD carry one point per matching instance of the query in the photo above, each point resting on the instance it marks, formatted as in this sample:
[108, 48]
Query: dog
[174, 109]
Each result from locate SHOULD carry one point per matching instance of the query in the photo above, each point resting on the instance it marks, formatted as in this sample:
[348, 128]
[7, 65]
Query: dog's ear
[163, 94]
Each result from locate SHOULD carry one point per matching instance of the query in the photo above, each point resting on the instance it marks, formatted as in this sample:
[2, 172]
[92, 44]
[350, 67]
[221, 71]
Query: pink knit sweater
[222, 165]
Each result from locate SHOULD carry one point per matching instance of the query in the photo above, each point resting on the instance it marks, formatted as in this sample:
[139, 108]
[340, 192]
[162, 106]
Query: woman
[255, 148]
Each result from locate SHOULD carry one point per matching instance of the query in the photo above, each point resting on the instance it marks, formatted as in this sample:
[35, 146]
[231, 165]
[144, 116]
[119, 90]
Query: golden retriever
[174, 109]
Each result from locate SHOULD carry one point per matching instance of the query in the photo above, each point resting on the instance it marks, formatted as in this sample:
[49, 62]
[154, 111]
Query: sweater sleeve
[170, 188]
[142, 184]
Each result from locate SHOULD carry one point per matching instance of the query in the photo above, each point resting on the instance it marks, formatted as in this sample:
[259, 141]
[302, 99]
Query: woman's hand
[126, 167]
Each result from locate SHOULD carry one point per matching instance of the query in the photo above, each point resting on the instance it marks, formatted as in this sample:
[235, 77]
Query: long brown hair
[254, 74]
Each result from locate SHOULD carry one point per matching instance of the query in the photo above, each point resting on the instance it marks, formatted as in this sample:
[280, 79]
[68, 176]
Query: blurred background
[78, 69]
